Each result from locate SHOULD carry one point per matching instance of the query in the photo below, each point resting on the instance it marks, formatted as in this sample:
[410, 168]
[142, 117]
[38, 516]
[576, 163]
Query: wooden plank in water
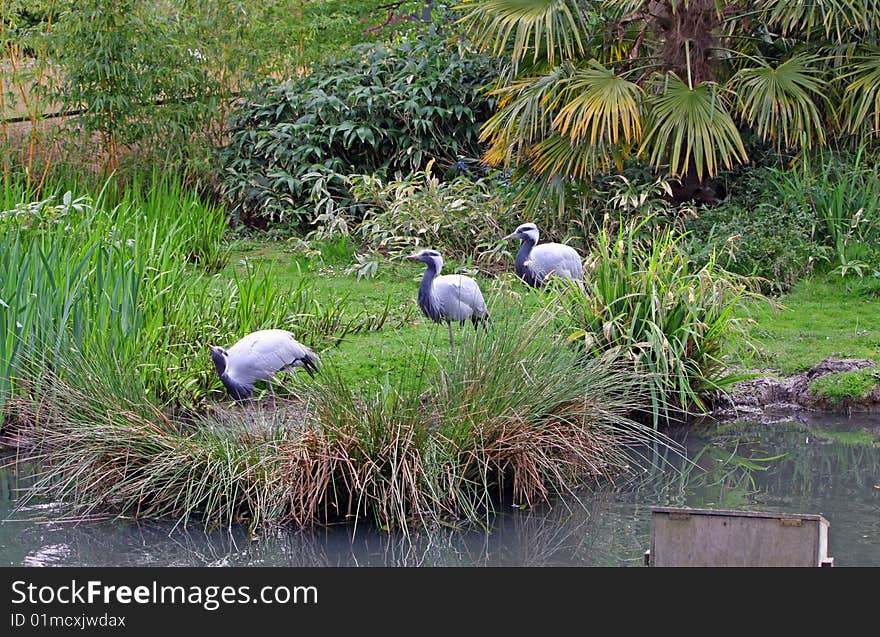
[682, 536]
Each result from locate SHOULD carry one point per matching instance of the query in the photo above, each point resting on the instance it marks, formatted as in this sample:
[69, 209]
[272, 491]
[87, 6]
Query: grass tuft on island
[511, 417]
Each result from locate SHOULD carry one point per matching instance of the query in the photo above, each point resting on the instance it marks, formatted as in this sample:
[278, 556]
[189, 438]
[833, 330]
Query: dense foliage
[678, 84]
[378, 109]
[465, 216]
[756, 231]
[822, 214]
[150, 83]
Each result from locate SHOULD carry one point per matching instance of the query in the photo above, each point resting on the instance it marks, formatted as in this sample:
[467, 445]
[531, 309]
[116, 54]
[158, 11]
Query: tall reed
[100, 275]
[63, 284]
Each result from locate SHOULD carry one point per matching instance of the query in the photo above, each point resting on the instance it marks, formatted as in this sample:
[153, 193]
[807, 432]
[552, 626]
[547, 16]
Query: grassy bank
[822, 316]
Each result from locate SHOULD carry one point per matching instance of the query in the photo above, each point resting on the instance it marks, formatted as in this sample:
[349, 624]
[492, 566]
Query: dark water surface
[824, 465]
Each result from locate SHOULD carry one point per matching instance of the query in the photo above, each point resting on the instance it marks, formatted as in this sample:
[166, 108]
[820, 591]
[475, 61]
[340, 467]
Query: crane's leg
[271, 392]
[451, 344]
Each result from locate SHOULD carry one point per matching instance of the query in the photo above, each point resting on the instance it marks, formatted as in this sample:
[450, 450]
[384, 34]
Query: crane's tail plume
[483, 320]
[310, 363]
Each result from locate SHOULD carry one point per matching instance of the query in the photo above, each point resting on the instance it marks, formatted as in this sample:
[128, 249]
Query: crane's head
[220, 357]
[429, 257]
[525, 231]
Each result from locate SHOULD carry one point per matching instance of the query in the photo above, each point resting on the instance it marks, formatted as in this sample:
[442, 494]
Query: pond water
[822, 465]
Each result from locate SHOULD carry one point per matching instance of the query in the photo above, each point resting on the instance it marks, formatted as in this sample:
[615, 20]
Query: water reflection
[830, 467]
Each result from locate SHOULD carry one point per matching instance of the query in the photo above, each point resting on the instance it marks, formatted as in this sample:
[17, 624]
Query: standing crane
[535, 263]
[451, 297]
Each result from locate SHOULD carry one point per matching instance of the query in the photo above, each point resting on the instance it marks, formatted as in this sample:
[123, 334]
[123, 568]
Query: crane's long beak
[512, 235]
[209, 346]
[412, 256]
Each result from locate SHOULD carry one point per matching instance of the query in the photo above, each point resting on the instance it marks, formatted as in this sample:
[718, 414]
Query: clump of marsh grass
[511, 417]
[645, 303]
[102, 446]
[523, 415]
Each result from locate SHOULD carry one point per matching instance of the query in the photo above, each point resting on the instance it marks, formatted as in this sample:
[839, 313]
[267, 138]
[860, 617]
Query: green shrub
[152, 83]
[756, 233]
[645, 302]
[780, 224]
[465, 218]
[377, 109]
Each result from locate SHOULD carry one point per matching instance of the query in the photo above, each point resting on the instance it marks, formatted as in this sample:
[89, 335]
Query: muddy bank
[769, 393]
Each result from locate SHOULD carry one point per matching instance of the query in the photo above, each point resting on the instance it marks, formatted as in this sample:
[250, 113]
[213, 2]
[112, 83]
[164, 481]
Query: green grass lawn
[822, 316]
[406, 338]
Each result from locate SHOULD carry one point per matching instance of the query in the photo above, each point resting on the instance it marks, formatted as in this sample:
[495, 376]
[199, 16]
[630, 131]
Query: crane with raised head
[450, 297]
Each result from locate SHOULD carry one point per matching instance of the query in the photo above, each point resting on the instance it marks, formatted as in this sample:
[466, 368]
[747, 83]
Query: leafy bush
[756, 232]
[465, 217]
[646, 303]
[152, 82]
[780, 224]
[135, 75]
[376, 110]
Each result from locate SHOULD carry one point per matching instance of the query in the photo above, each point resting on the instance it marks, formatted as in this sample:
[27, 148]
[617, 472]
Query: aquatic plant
[645, 303]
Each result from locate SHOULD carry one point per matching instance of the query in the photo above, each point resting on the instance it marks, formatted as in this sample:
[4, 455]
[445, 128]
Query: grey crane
[451, 297]
[536, 262]
[259, 356]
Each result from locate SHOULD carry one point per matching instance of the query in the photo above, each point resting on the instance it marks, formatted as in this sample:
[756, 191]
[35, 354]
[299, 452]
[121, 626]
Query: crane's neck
[426, 294]
[235, 389]
[525, 272]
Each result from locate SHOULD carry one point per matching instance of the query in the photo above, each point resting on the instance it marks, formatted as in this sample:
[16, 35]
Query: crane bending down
[451, 297]
[259, 356]
[535, 263]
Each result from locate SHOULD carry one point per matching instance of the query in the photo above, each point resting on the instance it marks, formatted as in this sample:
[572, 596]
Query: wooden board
[711, 537]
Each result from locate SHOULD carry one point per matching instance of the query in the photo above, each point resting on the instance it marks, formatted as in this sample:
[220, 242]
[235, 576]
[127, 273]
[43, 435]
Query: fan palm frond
[691, 128]
[557, 156]
[861, 101]
[835, 18]
[600, 108]
[525, 113]
[781, 101]
[549, 30]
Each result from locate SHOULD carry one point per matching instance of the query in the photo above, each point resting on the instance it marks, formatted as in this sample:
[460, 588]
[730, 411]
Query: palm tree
[677, 82]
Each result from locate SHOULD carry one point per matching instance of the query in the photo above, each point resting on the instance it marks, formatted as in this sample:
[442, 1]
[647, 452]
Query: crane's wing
[559, 258]
[260, 355]
[458, 297]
